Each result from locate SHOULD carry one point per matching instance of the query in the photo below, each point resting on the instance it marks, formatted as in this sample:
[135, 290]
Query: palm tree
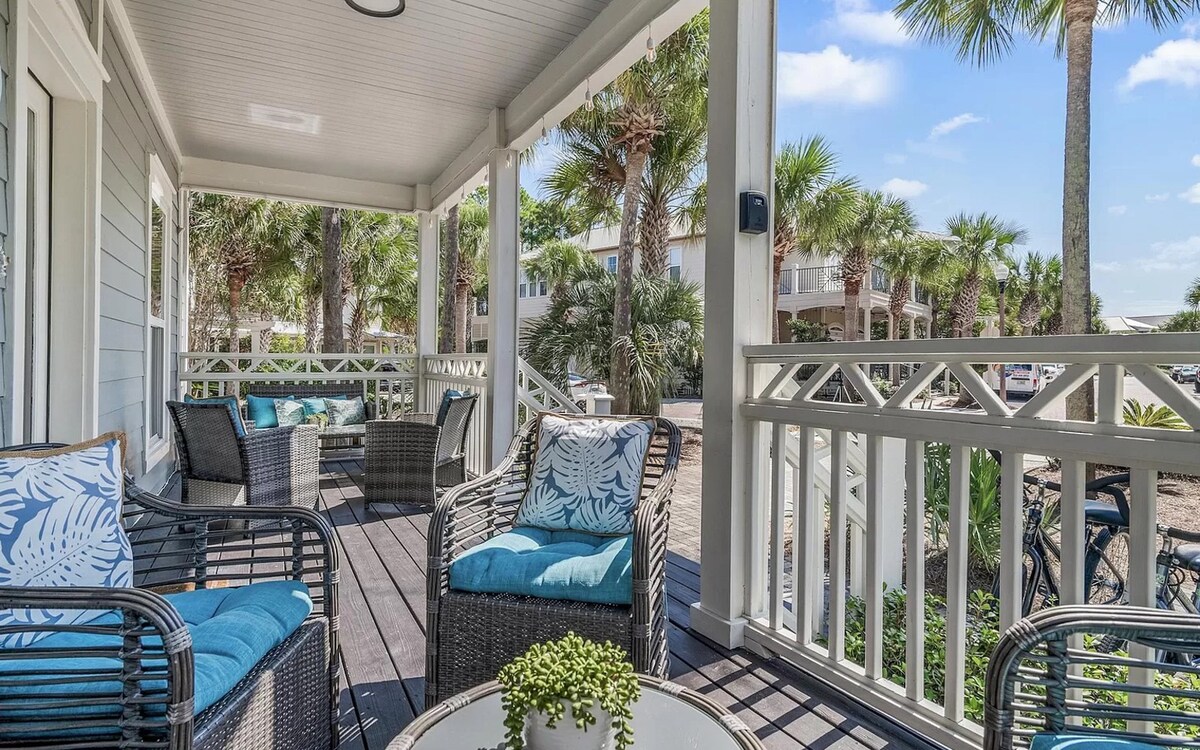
[984, 31]
[233, 234]
[877, 220]
[558, 262]
[668, 331]
[449, 269]
[333, 300]
[1191, 297]
[671, 180]
[1050, 321]
[1031, 279]
[911, 257]
[617, 130]
[381, 260]
[981, 240]
[472, 263]
[812, 205]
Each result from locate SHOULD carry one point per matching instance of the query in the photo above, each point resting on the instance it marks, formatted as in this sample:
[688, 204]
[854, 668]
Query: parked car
[1184, 373]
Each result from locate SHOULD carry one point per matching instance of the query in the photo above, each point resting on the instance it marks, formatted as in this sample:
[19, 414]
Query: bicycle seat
[1188, 555]
[1096, 511]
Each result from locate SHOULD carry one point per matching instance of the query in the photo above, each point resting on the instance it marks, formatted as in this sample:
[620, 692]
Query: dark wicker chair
[1043, 679]
[470, 636]
[409, 458]
[289, 699]
[330, 438]
[280, 466]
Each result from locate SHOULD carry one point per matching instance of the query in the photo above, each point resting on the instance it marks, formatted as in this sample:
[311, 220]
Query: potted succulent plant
[570, 694]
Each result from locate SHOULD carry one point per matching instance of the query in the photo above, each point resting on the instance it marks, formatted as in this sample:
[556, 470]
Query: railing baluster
[779, 468]
[1012, 524]
[807, 508]
[914, 522]
[758, 531]
[1143, 549]
[1073, 535]
[873, 596]
[956, 581]
[838, 497]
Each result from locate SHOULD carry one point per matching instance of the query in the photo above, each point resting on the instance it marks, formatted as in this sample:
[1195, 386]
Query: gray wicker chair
[409, 458]
[330, 438]
[288, 700]
[279, 466]
[1042, 679]
[470, 636]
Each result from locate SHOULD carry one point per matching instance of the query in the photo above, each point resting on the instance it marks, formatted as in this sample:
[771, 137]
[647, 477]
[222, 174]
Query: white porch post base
[727, 632]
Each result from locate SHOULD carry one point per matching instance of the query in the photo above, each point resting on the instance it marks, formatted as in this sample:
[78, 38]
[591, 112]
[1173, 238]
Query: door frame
[51, 41]
[35, 344]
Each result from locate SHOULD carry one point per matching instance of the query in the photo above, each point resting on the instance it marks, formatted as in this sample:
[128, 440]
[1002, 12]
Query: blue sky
[906, 116]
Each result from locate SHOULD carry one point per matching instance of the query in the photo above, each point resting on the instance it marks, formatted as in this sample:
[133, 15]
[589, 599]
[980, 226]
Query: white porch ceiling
[391, 101]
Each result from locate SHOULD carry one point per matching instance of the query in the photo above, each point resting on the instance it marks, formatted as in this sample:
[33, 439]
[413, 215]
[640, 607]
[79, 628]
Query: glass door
[37, 266]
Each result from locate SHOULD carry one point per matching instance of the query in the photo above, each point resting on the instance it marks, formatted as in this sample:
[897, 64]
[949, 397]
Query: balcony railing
[840, 515]
[818, 279]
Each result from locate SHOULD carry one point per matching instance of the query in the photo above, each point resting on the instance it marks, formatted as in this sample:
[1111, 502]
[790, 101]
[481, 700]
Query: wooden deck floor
[383, 638]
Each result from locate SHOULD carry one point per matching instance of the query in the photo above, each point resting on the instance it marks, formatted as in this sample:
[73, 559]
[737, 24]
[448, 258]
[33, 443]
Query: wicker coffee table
[667, 717]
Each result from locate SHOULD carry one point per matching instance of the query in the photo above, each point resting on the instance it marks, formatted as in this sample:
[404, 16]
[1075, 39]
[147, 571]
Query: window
[523, 290]
[159, 236]
[675, 269]
[611, 263]
[541, 287]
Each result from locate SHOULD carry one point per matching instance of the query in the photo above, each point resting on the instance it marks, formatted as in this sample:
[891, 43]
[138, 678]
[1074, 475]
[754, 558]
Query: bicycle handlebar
[1182, 535]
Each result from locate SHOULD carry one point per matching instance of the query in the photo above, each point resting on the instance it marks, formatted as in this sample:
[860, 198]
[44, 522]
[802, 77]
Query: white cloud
[857, 20]
[1182, 255]
[1118, 210]
[1158, 197]
[1174, 62]
[832, 76]
[1196, 160]
[1192, 194]
[946, 127]
[1191, 28]
[902, 188]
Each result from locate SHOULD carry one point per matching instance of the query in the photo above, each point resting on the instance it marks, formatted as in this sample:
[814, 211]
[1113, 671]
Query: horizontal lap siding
[129, 136]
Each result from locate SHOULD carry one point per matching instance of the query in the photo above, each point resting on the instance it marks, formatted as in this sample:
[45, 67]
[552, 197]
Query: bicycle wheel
[1112, 568]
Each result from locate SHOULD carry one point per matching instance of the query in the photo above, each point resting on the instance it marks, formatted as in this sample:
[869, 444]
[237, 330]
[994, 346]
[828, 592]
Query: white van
[1022, 380]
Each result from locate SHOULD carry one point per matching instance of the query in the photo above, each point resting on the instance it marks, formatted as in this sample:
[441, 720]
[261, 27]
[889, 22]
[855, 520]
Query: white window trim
[159, 189]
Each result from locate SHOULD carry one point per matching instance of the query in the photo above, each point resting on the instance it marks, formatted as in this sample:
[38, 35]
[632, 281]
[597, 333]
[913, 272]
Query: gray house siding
[129, 136]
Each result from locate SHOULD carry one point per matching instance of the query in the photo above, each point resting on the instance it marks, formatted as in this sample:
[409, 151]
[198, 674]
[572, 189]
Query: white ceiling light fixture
[378, 8]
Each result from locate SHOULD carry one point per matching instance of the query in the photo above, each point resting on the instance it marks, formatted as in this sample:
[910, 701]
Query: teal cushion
[1085, 742]
[444, 407]
[289, 412]
[317, 405]
[232, 630]
[548, 564]
[234, 412]
[60, 526]
[261, 411]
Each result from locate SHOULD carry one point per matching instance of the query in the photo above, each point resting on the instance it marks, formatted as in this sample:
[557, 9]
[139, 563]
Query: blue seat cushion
[569, 564]
[261, 411]
[234, 411]
[444, 407]
[231, 629]
[1085, 742]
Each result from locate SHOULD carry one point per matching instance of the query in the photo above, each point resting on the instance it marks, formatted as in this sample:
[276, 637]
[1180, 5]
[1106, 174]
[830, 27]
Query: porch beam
[427, 292]
[504, 249]
[214, 176]
[741, 126]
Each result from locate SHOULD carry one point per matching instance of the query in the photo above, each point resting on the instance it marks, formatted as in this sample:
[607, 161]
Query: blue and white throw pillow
[289, 412]
[343, 412]
[60, 525]
[587, 474]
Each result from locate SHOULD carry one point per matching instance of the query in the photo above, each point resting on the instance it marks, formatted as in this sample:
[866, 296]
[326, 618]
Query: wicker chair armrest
[1044, 640]
[154, 640]
[261, 448]
[215, 545]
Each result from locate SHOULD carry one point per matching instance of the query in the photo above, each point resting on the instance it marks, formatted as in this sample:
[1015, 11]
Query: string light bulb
[545, 140]
[588, 104]
[651, 51]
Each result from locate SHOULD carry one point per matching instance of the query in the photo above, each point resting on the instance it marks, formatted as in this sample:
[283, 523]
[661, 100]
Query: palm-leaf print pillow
[587, 474]
[60, 525]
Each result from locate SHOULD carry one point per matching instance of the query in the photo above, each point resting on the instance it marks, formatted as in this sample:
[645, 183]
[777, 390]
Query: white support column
[737, 278]
[503, 261]
[427, 296]
[912, 328]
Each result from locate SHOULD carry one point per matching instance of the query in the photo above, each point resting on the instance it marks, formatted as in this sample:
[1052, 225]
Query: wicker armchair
[470, 636]
[279, 466]
[1042, 679]
[409, 458]
[288, 700]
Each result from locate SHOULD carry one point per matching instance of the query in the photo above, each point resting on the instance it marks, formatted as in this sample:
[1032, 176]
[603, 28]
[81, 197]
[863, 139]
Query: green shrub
[1152, 415]
[983, 536]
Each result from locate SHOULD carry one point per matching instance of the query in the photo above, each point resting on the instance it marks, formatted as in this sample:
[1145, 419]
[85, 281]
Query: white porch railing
[397, 384]
[798, 578]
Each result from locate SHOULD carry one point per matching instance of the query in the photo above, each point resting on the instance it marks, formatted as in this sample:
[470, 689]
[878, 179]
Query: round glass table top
[667, 717]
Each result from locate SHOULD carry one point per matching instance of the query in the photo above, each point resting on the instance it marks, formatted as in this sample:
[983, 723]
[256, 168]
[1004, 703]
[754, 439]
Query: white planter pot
[566, 736]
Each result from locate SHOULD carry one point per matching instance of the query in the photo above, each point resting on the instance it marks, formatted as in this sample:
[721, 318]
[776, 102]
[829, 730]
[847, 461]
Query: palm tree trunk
[358, 327]
[334, 339]
[312, 323]
[449, 283]
[1080, 16]
[778, 255]
[620, 377]
[853, 314]
[654, 232]
[461, 303]
[237, 282]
